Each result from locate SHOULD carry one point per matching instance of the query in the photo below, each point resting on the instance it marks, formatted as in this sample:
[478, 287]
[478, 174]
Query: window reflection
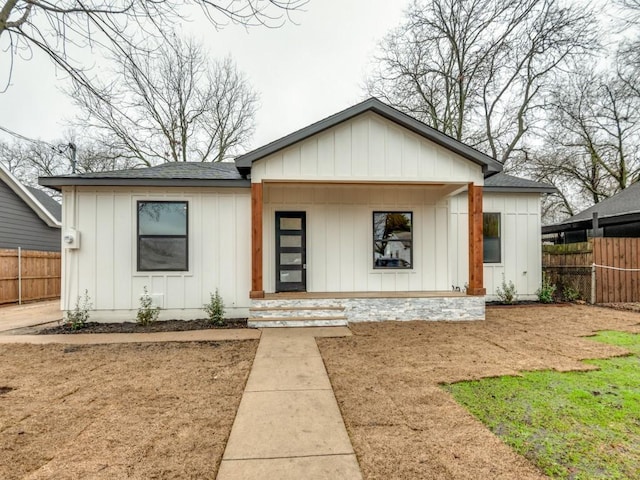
[392, 240]
[162, 236]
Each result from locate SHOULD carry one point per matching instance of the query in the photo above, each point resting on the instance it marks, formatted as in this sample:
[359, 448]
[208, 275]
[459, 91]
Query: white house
[366, 215]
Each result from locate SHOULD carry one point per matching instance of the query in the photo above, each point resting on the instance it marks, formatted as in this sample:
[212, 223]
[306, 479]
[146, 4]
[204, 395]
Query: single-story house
[29, 218]
[368, 214]
[616, 216]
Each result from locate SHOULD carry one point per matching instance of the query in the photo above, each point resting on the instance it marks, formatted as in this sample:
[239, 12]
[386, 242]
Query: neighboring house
[29, 218]
[366, 215]
[616, 216]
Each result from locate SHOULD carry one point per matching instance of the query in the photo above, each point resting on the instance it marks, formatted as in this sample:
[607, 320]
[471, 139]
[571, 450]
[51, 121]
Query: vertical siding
[106, 264]
[21, 227]
[340, 236]
[520, 242]
[367, 148]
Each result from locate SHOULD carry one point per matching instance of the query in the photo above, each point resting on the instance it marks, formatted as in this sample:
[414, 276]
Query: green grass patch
[575, 425]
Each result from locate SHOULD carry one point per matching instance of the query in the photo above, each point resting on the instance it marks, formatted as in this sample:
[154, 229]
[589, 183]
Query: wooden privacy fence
[27, 275]
[614, 264]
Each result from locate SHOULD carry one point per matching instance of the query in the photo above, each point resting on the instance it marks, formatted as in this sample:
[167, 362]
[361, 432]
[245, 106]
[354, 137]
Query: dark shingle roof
[624, 202]
[174, 170]
[621, 208]
[501, 182]
[47, 202]
[188, 173]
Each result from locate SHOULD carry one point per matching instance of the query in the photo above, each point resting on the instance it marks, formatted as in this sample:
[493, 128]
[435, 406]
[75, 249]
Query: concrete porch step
[290, 321]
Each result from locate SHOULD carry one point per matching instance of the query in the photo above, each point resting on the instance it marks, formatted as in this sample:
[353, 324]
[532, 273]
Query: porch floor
[322, 295]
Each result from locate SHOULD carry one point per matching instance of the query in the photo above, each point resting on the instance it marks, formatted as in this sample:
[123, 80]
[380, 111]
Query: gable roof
[35, 201]
[622, 207]
[489, 165]
[501, 182]
[189, 174]
[48, 202]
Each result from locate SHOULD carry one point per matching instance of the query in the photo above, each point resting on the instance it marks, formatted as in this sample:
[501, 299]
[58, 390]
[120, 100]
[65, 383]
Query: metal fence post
[19, 276]
[593, 283]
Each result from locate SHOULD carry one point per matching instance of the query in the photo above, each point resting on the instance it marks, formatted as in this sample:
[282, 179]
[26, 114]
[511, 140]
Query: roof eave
[58, 182]
[567, 227]
[515, 189]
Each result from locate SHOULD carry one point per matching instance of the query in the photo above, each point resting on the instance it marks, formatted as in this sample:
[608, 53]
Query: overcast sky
[303, 72]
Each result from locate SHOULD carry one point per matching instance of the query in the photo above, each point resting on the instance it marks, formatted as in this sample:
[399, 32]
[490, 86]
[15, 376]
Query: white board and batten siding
[410, 174]
[339, 229]
[367, 148]
[520, 243]
[219, 243]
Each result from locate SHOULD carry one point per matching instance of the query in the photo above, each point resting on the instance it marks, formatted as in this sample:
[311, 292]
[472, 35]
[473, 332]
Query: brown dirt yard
[157, 410]
[404, 426]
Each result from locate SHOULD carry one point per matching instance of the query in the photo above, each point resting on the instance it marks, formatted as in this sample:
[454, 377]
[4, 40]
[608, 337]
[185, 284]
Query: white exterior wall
[521, 256]
[367, 148]
[339, 222]
[219, 242]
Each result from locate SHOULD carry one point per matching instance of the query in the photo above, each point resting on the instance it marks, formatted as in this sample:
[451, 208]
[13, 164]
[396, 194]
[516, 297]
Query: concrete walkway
[29, 314]
[288, 425]
[213, 335]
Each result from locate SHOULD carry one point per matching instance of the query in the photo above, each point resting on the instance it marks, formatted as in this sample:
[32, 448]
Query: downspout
[67, 252]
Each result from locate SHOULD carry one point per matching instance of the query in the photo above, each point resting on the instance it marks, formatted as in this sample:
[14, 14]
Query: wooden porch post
[256, 241]
[476, 283]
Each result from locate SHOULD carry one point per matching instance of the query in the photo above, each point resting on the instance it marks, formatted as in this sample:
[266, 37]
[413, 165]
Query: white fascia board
[28, 198]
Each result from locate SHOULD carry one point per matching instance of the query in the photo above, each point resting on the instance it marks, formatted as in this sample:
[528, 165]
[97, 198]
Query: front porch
[300, 309]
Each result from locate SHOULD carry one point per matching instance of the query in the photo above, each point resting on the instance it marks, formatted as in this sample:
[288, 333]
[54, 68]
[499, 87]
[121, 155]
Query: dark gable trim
[58, 182]
[488, 164]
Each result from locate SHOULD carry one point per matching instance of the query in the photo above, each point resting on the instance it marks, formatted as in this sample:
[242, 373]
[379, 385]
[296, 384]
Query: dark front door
[291, 257]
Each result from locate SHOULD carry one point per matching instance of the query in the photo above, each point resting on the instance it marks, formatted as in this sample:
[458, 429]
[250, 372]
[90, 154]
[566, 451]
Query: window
[162, 236]
[491, 238]
[392, 240]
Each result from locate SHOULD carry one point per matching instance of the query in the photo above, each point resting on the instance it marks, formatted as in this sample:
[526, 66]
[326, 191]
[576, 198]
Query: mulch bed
[130, 327]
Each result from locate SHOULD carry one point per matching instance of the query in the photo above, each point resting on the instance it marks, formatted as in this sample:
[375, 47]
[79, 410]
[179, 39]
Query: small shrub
[506, 292]
[147, 313]
[546, 291]
[215, 309]
[571, 294]
[79, 316]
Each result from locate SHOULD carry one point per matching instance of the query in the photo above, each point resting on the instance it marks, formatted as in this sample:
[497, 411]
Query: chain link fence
[573, 282]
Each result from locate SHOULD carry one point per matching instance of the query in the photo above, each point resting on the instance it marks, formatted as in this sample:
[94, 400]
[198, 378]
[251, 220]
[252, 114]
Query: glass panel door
[291, 262]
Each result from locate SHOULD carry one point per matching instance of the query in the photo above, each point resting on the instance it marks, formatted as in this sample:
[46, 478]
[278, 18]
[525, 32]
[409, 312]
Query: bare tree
[476, 69]
[628, 54]
[171, 105]
[29, 159]
[63, 29]
[592, 140]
